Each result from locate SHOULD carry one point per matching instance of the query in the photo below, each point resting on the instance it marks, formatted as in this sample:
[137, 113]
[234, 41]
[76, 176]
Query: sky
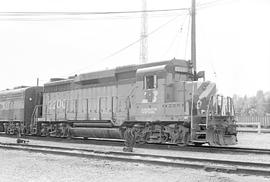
[233, 40]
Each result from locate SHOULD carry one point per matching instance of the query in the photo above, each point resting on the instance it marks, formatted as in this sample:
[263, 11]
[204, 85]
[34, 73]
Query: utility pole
[144, 31]
[193, 36]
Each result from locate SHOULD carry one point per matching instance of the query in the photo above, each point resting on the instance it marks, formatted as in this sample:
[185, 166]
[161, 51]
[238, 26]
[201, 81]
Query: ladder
[198, 130]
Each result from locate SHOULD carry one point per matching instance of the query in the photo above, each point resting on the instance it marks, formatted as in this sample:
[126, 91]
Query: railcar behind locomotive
[156, 102]
[16, 108]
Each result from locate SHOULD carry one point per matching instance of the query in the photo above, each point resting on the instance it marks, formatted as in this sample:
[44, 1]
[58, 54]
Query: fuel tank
[112, 133]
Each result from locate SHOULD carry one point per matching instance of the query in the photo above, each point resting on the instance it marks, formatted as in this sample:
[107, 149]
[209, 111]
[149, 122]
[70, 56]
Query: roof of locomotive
[59, 82]
[111, 73]
[95, 75]
[13, 91]
[129, 68]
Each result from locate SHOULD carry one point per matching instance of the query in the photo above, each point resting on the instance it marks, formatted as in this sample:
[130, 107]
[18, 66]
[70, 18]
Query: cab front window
[150, 82]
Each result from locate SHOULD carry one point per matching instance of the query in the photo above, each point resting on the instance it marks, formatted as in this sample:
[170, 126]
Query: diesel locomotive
[160, 102]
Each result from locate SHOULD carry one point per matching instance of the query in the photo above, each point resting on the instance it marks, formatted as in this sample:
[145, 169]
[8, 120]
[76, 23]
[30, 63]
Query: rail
[119, 142]
[208, 164]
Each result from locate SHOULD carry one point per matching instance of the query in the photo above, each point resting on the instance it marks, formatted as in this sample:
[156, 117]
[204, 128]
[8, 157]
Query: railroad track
[229, 166]
[208, 149]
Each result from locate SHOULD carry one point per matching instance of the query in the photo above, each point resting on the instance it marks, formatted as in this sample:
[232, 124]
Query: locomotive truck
[160, 102]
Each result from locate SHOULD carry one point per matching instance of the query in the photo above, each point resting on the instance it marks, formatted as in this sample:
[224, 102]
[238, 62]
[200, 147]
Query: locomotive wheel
[211, 136]
[130, 139]
[230, 139]
[186, 138]
[221, 135]
[164, 137]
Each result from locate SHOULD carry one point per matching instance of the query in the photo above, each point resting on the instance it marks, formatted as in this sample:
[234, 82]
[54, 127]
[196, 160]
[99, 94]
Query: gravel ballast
[23, 166]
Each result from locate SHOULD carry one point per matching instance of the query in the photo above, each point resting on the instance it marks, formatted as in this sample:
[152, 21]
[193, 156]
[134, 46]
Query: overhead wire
[58, 13]
[209, 3]
[212, 3]
[127, 46]
[32, 16]
[171, 44]
[188, 31]
[175, 36]
[87, 18]
[188, 26]
[50, 16]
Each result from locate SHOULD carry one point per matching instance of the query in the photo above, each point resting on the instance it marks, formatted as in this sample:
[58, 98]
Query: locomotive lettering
[10, 105]
[150, 96]
[59, 104]
[148, 110]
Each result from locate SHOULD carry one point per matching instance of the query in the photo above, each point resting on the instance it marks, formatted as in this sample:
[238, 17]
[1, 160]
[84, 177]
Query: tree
[267, 102]
[260, 103]
[253, 106]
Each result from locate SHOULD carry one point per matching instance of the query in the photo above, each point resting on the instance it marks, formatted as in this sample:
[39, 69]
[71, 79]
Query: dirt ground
[23, 166]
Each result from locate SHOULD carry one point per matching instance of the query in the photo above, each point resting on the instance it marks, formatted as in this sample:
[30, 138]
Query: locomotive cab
[150, 83]
[160, 93]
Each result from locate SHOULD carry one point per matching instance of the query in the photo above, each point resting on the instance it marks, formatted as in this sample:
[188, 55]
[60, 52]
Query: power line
[127, 46]
[171, 44]
[175, 37]
[58, 13]
[86, 18]
[209, 3]
[212, 3]
[188, 31]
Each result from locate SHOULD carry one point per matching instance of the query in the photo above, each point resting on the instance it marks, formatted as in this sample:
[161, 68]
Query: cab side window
[150, 82]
